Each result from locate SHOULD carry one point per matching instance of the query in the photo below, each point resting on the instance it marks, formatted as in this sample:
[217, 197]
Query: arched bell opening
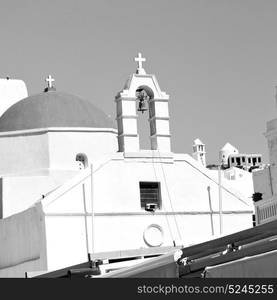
[145, 110]
[143, 95]
[82, 161]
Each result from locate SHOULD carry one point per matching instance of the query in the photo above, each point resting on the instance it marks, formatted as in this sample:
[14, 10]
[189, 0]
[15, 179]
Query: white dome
[198, 142]
[228, 147]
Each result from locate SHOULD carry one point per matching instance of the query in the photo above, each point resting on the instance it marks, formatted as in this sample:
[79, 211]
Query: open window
[150, 195]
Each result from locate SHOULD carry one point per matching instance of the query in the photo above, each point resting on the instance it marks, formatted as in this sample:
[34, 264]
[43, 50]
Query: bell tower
[199, 152]
[141, 93]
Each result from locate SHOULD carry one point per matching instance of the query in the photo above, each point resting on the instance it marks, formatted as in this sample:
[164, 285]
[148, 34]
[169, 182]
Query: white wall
[242, 182]
[263, 182]
[35, 162]
[23, 245]
[271, 136]
[31, 150]
[66, 241]
[21, 192]
[24, 153]
[120, 221]
[11, 91]
[64, 146]
[117, 185]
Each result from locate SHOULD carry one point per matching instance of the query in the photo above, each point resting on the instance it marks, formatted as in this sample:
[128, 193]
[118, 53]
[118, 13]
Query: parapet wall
[22, 240]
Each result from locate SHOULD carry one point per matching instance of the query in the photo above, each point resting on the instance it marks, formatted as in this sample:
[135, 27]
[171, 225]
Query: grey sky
[216, 59]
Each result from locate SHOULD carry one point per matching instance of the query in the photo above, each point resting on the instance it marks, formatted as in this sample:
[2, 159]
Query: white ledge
[56, 129]
[148, 154]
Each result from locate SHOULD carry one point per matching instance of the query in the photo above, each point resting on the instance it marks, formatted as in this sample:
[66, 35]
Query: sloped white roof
[198, 142]
[229, 147]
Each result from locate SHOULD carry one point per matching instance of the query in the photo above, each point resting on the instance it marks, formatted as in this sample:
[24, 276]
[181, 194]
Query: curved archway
[147, 89]
[82, 159]
[144, 94]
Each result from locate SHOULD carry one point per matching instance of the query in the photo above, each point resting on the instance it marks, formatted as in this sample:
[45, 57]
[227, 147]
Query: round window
[153, 235]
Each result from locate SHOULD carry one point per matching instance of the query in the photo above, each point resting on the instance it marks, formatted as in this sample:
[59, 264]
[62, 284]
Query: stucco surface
[53, 109]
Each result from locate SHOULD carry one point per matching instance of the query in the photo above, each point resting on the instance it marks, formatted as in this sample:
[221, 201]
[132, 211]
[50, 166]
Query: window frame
[147, 185]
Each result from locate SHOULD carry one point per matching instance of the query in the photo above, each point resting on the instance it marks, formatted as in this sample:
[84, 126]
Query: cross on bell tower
[140, 60]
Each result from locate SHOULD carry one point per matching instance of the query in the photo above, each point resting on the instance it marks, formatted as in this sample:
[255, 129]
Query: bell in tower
[141, 93]
[199, 152]
[143, 98]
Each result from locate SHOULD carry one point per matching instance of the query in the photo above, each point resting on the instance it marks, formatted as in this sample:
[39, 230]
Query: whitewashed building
[11, 91]
[73, 184]
[236, 168]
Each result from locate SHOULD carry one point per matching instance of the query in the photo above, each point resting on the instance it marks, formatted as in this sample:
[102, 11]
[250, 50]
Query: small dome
[228, 147]
[198, 142]
[53, 109]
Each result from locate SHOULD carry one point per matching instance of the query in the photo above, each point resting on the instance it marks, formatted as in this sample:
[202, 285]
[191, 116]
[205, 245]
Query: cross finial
[49, 81]
[140, 60]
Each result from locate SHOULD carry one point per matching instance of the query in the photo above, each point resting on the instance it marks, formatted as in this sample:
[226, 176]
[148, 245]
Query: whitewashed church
[73, 183]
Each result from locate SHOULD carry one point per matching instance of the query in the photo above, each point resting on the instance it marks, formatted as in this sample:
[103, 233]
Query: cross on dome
[49, 81]
[140, 60]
